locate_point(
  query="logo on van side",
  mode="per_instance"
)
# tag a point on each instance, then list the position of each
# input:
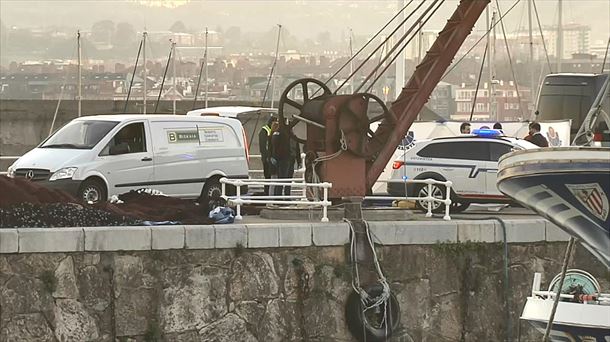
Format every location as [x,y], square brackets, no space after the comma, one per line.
[182,136]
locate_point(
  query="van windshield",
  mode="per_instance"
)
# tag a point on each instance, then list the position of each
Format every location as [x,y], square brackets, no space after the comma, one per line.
[80,134]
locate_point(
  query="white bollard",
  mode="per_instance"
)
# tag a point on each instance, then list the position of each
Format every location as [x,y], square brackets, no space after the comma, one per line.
[325,205]
[430,199]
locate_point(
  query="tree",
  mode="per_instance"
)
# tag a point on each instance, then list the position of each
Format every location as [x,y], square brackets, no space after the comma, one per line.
[124,36]
[178,27]
[102,31]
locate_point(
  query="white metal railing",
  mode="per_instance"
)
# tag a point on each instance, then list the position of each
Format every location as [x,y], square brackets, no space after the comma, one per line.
[240,199]
[430,199]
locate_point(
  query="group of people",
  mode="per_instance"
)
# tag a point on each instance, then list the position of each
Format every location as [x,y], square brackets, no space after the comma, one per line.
[534,136]
[279,153]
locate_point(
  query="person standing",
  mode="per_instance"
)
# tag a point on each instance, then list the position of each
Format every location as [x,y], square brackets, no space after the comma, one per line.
[264,145]
[535,137]
[281,146]
[288,153]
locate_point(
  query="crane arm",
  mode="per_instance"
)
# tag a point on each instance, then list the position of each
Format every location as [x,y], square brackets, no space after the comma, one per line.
[419,87]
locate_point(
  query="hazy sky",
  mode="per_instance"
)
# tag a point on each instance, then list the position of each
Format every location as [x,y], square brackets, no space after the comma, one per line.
[303,18]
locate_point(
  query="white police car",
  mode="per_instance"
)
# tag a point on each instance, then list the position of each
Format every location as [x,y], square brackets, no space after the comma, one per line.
[470,162]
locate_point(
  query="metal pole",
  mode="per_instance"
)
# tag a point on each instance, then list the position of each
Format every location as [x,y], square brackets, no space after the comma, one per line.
[351,63]
[533,87]
[79,74]
[489,66]
[144,91]
[205,60]
[559,35]
[494,105]
[277,49]
[175,92]
[564,268]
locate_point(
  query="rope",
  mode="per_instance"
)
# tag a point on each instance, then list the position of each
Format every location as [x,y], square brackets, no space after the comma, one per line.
[279,32]
[510,61]
[478,41]
[546,52]
[169,58]
[381,279]
[476,91]
[315,177]
[133,75]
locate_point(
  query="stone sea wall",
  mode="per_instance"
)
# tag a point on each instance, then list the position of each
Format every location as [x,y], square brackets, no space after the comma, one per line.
[447,292]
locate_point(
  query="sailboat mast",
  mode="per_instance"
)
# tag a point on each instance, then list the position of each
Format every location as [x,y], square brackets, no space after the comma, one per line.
[175,91]
[351,63]
[533,86]
[489,66]
[277,49]
[559,35]
[400,61]
[79,74]
[144,91]
[205,61]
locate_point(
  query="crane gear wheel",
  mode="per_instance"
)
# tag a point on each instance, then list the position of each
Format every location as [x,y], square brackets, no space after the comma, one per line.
[286,101]
[357,125]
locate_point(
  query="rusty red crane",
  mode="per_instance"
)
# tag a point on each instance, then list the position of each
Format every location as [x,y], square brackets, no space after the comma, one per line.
[338,128]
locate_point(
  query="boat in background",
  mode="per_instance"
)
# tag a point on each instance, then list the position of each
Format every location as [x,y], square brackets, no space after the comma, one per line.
[569,186]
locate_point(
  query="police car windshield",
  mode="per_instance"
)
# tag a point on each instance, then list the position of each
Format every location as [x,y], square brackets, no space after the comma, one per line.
[80,134]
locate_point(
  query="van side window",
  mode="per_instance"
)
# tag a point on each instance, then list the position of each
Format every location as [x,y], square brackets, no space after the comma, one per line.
[130,139]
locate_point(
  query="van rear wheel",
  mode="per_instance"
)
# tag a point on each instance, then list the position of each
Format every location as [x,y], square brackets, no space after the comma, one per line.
[92,191]
[211,194]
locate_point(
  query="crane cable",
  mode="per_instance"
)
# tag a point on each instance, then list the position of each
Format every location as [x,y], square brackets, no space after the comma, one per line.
[402,48]
[367,44]
[378,47]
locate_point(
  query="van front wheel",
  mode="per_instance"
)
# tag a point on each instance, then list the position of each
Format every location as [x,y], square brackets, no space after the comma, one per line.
[92,191]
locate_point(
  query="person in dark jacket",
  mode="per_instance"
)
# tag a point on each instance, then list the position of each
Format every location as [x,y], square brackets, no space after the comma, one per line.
[286,152]
[535,137]
[264,145]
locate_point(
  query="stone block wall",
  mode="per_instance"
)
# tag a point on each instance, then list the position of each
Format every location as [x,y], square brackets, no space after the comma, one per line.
[446,291]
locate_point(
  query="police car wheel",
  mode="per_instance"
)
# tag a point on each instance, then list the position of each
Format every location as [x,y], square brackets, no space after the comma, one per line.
[437,192]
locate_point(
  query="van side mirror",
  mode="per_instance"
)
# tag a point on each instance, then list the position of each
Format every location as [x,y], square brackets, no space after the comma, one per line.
[121,148]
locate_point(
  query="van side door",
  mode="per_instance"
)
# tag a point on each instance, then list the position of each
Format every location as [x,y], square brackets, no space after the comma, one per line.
[126,161]
[178,154]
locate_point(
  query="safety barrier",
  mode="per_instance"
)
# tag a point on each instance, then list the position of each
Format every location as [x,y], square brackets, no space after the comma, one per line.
[240,199]
[430,199]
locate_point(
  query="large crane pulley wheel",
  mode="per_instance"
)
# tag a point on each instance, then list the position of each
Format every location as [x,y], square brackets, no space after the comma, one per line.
[294,102]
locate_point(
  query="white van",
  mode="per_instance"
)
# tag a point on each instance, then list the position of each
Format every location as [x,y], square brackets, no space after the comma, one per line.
[95,157]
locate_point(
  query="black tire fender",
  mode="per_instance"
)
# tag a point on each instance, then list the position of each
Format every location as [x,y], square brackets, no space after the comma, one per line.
[358,324]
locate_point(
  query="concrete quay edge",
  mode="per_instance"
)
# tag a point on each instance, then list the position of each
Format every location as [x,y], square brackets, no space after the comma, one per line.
[269,235]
